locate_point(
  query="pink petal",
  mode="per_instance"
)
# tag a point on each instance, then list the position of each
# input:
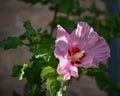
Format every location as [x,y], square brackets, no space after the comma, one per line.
[67,76]
[63,66]
[66,69]
[100,51]
[84,36]
[61,49]
[61,43]
[87,62]
[73,71]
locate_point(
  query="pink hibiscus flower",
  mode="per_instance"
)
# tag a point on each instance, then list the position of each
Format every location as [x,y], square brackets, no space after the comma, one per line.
[82,48]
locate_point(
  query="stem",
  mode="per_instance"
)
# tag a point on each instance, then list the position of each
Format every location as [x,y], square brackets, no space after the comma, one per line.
[54,21]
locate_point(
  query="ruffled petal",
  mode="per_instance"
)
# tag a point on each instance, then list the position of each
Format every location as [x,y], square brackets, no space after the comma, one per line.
[63,66]
[84,36]
[87,62]
[60,49]
[66,69]
[67,76]
[61,43]
[73,71]
[99,52]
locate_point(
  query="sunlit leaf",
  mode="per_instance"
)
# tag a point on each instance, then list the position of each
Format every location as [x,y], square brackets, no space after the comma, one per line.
[48,72]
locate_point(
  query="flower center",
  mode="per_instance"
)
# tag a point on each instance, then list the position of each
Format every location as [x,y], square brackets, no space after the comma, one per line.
[75,55]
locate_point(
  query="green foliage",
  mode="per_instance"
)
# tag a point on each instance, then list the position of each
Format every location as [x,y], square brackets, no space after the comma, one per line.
[16,70]
[66,6]
[43,48]
[10,42]
[48,72]
[62,6]
[25,66]
[41,68]
[102,80]
[54,82]
[29,30]
[66,23]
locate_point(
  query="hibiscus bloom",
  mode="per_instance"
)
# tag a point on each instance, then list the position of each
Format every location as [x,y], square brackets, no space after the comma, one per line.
[82,48]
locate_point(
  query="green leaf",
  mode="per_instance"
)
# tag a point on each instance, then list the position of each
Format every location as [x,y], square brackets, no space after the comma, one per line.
[10,42]
[23,71]
[52,83]
[65,22]
[29,30]
[53,86]
[36,91]
[105,83]
[53,62]
[48,72]
[16,70]
[56,86]
[103,67]
[44,49]
[32,73]
[66,6]
[43,53]
[102,80]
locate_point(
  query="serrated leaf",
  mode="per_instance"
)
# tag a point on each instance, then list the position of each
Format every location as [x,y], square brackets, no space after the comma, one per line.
[16,70]
[65,22]
[66,6]
[44,49]
[29,30]
[32,73]
[45,54]
[53,86]
[10,42]
[23,71]
[48,72]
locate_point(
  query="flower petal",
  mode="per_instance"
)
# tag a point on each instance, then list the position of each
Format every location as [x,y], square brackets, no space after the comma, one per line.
[73,71]
[84,36]
[63,66]
[60,49]
[100,51]
[87,62]
[64,69]
[67,76]
[62,42]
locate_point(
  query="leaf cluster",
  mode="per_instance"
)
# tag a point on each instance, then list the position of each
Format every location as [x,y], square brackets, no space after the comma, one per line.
[102,79]
[41,46]
[42,66]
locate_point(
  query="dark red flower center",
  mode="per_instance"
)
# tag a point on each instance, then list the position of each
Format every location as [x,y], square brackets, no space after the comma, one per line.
[75,55]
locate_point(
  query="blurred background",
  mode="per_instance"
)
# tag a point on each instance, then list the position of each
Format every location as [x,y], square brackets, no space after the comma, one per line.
[12,15]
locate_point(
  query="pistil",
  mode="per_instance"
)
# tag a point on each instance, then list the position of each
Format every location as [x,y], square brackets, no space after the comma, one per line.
[75,55]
